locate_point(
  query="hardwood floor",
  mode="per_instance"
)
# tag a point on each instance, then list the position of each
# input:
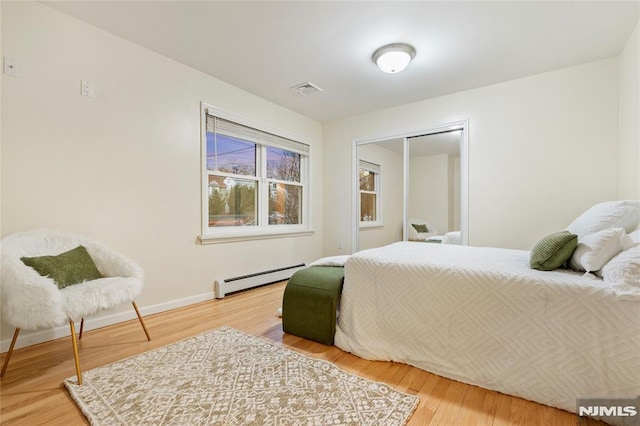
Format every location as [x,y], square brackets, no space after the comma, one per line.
[32,392]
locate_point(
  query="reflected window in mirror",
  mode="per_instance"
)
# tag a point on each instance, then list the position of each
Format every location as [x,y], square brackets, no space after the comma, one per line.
[370,197]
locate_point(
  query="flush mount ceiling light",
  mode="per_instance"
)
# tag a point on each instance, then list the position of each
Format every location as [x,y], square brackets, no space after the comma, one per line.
[394,57]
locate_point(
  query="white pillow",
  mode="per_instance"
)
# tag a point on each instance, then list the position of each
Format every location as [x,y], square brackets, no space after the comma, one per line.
[623,271]
[331,261]
[610,214]
[635,236]
[595,250]
[453,237]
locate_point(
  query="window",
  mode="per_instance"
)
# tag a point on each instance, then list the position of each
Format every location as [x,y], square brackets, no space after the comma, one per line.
[256,180]
[369,194]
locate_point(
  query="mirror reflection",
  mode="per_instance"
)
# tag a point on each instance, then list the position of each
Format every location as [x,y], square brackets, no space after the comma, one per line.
[380,193]
[411,188]
[434,188]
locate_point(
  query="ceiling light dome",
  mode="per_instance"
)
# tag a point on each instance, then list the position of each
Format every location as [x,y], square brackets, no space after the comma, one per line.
[394,57]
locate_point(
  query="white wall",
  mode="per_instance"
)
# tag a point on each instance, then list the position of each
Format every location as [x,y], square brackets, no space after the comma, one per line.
[124,167]
[429,190]
[629,173]
[542,149]
[390,163]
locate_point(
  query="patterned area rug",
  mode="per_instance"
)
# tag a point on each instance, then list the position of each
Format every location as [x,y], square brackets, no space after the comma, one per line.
[225,377]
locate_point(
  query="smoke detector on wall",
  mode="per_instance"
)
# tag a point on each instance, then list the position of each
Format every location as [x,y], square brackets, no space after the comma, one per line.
[305,89]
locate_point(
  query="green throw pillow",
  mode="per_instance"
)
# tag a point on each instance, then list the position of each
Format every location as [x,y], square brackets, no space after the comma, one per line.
[68,268]
[420,228]
[553,251]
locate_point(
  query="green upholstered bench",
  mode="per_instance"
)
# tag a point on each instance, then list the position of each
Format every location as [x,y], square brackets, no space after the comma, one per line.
[310,303]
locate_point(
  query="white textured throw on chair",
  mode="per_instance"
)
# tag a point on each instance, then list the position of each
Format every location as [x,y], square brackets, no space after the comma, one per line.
[46,306]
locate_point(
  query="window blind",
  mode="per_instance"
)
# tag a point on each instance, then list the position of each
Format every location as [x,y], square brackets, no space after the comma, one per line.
[229,128]
[375,168]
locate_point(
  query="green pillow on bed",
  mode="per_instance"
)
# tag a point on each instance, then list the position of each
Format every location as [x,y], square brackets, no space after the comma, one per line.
[553,251]
[420,228]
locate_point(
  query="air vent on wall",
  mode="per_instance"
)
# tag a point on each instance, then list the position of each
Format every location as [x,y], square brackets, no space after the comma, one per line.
[305,89]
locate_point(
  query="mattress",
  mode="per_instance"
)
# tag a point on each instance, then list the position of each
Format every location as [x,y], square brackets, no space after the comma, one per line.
[482,316]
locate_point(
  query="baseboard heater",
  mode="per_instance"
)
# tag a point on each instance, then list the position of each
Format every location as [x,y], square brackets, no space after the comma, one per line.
[231,285]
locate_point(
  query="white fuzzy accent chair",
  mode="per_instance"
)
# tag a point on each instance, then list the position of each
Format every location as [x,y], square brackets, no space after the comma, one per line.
[31,301]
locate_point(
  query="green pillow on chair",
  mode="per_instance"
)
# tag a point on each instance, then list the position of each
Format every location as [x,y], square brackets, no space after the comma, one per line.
[68,268]
[553,251]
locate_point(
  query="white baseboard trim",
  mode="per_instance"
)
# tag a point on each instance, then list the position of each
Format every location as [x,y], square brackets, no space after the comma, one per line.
[28,339]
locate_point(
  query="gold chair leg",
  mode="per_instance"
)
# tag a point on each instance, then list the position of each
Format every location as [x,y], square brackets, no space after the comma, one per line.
[6,360]
[81,327]
[75,351]
[144,327]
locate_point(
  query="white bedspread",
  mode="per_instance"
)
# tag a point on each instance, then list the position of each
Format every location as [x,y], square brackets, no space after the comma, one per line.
[482,316]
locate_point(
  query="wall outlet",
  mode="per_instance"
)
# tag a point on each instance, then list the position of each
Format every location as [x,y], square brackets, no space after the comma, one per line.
[340,244]
[10,66]
[86,88]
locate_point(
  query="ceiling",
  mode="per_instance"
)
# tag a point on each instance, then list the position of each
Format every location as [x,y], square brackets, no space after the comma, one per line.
[438,144]
[266,47]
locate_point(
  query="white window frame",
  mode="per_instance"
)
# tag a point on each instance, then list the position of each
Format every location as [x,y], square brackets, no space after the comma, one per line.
[377,182]
[262,230]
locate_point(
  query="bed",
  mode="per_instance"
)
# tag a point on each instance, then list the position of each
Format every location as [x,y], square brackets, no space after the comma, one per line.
[423,231]
[482,316]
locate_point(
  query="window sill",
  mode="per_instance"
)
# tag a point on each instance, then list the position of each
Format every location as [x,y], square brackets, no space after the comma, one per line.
[262,235]
[370,225]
